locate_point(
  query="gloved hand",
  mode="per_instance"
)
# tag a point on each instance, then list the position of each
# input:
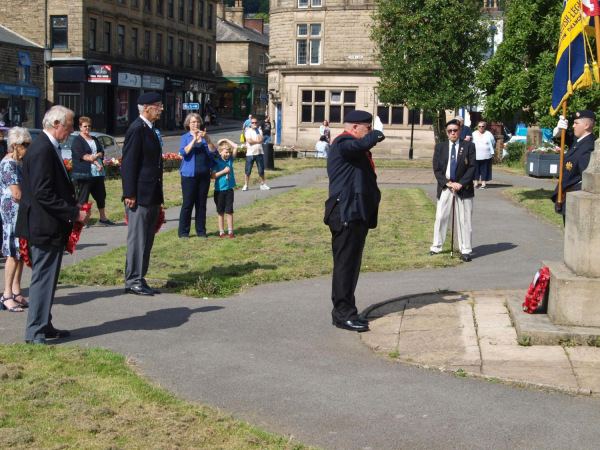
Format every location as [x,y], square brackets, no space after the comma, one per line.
[563,124]
[378,124]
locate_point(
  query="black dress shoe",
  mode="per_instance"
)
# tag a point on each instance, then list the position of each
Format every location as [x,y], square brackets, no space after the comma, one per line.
[363,320]
[466,258]
[139,290]
[40,341]
[431,253]
[56,333]
[352,325]
[145,285]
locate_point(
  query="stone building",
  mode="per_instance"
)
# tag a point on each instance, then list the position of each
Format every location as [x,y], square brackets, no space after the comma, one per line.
[106,53]
[22,71]
[242,47]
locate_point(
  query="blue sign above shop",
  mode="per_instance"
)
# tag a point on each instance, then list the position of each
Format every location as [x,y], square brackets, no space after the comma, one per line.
[9,89]
[190,106]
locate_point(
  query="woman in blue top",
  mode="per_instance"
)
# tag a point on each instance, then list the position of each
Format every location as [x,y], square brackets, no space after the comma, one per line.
[198,159]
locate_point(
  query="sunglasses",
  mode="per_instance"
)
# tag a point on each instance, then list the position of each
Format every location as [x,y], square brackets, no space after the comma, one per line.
[25,144]
[253,122]
[453,130]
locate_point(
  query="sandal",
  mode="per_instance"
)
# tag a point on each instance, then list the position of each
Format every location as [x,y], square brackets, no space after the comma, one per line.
[24,303]
[14,308]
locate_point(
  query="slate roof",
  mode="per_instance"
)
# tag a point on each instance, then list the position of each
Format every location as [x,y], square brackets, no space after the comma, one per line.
[10,37]
[232,32]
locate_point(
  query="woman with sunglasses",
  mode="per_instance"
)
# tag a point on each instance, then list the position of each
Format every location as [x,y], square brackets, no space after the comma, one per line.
[10,187]
[484,145]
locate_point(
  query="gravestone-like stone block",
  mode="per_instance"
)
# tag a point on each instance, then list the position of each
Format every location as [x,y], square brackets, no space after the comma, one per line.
[582,234]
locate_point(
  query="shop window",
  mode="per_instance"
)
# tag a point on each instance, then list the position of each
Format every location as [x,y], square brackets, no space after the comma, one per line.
[180,52]
[191,12]
[134,42]
[147,37]
[60,36]
[24,65]
[321,105]
[200,13]
[308,47]
[92,35]
[170,50]
[71,101]
[160,7]
[147,6]
[107,26]
[181,10]
[200,56]
[158,48]
[261,64]
[121,40]
[190,55]
[209,59]
[209,17]
[94,104]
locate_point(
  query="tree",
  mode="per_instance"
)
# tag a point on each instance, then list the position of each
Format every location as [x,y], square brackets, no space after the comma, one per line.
[261,15]
[429,51]
[517,80]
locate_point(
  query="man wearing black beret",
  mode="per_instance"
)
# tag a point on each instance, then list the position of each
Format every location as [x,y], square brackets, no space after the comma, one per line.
[454,168]
[351,211]
[141,174]
[581,145]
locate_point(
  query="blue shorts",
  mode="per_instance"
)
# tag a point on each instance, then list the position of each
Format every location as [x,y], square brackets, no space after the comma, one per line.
[259,164]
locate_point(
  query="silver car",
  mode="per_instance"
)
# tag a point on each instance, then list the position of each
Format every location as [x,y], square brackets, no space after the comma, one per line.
[109,144]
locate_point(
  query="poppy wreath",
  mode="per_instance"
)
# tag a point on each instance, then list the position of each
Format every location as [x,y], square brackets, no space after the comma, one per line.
[159,221]
[24,252]
[536,291]
[74,238]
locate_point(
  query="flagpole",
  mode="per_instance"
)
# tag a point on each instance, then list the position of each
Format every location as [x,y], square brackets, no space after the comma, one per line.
[559,200]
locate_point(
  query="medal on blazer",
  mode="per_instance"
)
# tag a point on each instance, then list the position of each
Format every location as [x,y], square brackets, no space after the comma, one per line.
[466,160]
[569,166]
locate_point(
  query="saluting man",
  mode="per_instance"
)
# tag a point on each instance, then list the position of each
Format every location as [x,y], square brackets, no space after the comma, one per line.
[577,158]
[141,174]
[351,211]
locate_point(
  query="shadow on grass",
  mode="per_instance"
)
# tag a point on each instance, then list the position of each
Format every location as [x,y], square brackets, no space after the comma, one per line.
[490,249]
[535,194]
[239,231]
[223,272]
[162,319]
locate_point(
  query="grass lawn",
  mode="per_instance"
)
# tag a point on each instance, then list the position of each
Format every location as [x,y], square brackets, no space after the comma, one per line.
[537,201]
[72,397]
[287,166]
[279,239]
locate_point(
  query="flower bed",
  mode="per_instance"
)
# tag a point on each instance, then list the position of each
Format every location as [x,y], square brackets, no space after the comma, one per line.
[112,166]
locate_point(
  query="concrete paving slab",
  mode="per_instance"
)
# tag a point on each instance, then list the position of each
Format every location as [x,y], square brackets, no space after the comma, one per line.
[430,322]
[436,308]
[497,336]
[496,307]
[584,357]
[492,320]
[533,356]
[380,342]
[544,374]
[456,357]
[387,309]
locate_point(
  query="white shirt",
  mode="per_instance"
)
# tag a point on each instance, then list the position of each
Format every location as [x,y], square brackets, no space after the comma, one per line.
[253,149]
[57,150]
[450,155]
[147,121]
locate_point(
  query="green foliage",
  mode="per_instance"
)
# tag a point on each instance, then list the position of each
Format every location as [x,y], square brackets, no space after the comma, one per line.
[429,51]
[262,15]
[515,153]
[518,79]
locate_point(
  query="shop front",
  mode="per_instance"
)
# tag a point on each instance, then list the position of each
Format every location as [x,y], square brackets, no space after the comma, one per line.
[130,86]
[20,106]
[174,105]
[240,96]
[202,92]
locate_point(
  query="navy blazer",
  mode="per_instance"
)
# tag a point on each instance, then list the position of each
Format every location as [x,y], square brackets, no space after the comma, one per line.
[82,169]
[465,167]
[48,208]
[142,164]
[575,161]
[352,178]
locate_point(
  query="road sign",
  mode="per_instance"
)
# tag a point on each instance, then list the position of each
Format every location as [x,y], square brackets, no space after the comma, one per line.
[264,97]
[188,106]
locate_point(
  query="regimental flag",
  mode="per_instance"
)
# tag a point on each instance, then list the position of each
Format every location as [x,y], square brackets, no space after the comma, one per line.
[572,70]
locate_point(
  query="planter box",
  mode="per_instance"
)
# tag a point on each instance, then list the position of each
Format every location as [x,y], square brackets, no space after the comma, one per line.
[542,165]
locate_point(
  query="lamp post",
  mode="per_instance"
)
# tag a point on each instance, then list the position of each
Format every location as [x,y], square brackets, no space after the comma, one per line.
[412,132]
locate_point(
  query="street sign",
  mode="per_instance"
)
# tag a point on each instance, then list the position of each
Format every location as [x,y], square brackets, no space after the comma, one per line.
[188,106]
[264,97]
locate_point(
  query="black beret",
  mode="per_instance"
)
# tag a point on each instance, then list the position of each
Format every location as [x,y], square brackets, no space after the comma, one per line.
[584,114]
[452,122]
[148,98]
[358,117]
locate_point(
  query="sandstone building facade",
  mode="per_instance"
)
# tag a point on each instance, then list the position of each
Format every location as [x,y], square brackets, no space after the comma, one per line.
[105,53]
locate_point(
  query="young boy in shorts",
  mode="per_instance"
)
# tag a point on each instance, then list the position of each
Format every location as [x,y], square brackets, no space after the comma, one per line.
[224,184]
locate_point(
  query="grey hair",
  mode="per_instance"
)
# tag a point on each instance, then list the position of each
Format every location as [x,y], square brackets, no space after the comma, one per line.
[459,118]
[188,119]
[17,135]
[59,113]
[140,109]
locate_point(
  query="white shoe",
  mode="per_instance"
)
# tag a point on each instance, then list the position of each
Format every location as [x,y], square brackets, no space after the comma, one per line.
[264,187]
[245,188]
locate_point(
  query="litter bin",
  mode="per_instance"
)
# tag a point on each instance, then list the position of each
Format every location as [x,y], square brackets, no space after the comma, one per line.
[269,157]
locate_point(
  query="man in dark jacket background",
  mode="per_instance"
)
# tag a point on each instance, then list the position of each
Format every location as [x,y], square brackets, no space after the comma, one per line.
[47,212]
[141,174]
[351,211]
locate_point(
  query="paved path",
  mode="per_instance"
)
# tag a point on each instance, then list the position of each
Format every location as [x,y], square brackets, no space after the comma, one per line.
[271,356]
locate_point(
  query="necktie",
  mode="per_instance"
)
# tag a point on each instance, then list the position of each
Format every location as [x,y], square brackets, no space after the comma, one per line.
[453,163]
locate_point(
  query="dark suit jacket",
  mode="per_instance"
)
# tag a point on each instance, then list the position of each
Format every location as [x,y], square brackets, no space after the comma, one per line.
[83,169]
[141,164]
[575,162]
[465,167]
[48,208]
[352,178]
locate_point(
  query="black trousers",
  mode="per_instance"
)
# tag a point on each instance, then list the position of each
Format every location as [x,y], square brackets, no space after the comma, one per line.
[195,193]
[94,186]
[347,243]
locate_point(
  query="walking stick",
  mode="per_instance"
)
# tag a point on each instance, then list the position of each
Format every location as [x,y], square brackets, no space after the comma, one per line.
[452,239]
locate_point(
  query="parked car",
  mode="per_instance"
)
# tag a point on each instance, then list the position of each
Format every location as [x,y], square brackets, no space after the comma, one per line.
[110,147]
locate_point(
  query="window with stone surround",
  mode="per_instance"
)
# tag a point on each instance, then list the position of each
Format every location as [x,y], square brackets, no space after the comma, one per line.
[92,34]
[181,10]
[171,9]
[107,32]
[209,59]
[191,12]
[308,44]
[59,32]
[24,65]
[158,48]
[160,7]
[134,42]
[201,14]
[311,3]
[147,37]
[190,55]
[261,64]
[200,47]
[180,53]
[121,40]
[326,104]
[209,17]
[147,6]
[170,50]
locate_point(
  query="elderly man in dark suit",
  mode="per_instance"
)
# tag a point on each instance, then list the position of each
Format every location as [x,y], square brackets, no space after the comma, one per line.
[454,168]
[47,212]
[581,145]
[351,211]
[141,173]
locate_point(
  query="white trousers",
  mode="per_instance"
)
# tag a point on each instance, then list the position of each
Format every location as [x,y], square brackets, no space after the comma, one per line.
[463,213]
